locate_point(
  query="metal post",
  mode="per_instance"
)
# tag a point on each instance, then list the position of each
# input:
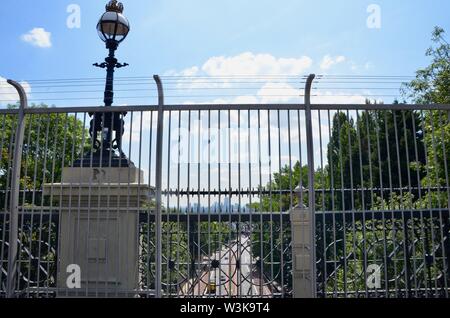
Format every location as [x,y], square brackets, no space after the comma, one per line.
[158,185]
[15,188]
[300,217]
[311,194]
[111,62]
[105,121]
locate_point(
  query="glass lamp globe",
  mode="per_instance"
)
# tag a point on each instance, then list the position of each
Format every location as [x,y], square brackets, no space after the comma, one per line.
[113,26]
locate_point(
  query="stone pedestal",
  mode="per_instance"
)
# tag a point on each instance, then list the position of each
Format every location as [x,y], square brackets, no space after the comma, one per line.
[98,229]
[301,252]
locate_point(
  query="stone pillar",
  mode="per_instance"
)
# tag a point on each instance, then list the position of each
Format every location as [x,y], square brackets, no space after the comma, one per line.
[301,251]
[98,229]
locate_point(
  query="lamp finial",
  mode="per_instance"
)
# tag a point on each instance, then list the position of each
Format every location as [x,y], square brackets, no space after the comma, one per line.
[114,6]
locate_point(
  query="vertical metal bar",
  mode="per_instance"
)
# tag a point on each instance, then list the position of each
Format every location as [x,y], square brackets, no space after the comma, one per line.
[149,211]
[221,245]
[411,205]
[250,228]
[332,187]
[261,224]
[41,209]
[158,180]
[280,208]
[230,274]
[344,225]
[127,211]
[52,180]
[445,239]
[118,203]
[168,223]
[406,264]
[15,191]
[269,138]
[280,203]
[8,165]
[199,243]
[352,208]
[363,203]
[383,219]
[371,183]
[311,194]
[97,214]
[324,231]
[209,203]
[445,149]
[8,183]
[238,229]
[58,229]
[423,232]
[178,204]
[137,224]
[391,205]
[21,244]
[88,211]
[431,253]
[91,277]
[84,143]
[191,251]
[440,207]
[3,224]
[108,264]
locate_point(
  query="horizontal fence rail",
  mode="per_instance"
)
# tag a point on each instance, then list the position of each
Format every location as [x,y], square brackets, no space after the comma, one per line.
[227,201]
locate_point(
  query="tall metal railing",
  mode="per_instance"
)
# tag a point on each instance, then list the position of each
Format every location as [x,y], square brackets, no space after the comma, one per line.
[224,180]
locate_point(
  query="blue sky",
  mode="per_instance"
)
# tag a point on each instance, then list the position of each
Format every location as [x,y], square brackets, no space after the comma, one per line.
[174,35]
[204,38]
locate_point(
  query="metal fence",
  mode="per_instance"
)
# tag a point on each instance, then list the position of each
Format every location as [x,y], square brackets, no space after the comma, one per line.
[206,210]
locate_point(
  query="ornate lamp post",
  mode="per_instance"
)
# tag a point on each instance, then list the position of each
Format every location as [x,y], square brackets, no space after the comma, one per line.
[102,181]
[113,28]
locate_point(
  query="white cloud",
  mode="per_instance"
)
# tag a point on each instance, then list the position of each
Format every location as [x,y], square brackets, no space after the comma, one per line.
[245,64]
[38,37]
[336,97]
[245,99]
[274,93]
[365,67]
[8,94]
[328,61]
[191,71]
[278,93]
[270,86]
[251,64]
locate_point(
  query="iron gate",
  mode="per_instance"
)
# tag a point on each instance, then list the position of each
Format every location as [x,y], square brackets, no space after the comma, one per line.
[210,204]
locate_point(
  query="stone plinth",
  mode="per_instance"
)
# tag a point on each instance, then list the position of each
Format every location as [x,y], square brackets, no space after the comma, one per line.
[98,229]
[301,252]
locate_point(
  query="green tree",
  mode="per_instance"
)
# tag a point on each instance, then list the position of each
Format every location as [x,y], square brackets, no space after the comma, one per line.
[432,86]
[51,142]
[370,151]
[281,189]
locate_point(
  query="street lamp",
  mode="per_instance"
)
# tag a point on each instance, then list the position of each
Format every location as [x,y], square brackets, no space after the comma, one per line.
[113,28]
